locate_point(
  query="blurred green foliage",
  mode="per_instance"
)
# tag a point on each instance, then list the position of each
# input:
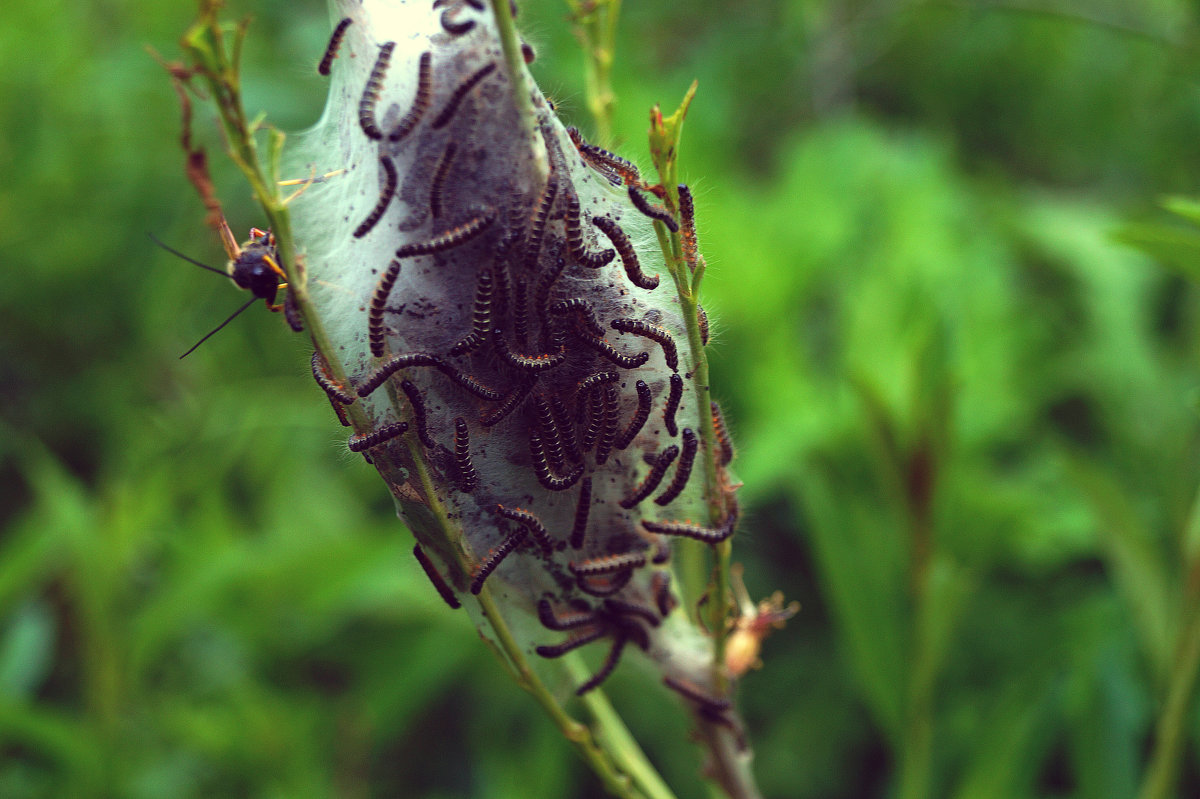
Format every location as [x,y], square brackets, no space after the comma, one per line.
[965,413]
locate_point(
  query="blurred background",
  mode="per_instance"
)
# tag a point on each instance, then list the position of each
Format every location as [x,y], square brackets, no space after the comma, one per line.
[965,411]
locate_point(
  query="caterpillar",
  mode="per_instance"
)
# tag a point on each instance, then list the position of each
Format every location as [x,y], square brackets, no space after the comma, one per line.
[654,212]
[652,479]
[447,113]
[420,100]
[531,523]
[682,471]
[480,316]
[582,510]
[364,441]
[320,373]
[418,408]
[625,249]
[331,50]
[435,577]
[639,417]
[494,558]
[640,327]
[370,95]
[385,198]
[607,564]
[467,478]
[673,405]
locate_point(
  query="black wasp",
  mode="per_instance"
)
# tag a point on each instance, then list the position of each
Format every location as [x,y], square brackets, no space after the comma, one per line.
[253,265]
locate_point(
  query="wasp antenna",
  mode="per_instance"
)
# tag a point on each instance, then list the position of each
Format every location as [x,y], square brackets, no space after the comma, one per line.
[175,252]
[232,316]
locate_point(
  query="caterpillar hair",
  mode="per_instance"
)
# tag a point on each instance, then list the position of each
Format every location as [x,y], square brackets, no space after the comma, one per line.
[628,255]
[652,479]
[385,198]
[481,316]
[582,509]
[467,478]
[451,238]
[331,50]
[376,334]
[418,408]
[604,585]
[639,417]
[653,211]
[494,557]
[364,441]
[435,577]
[641,327]
[687,215]
[607,564]
[370,95]
[511,401]
[420,101]
[436,186]
[532,523]
[575,246]
[464,88]
[320,371]
[673,405]
[682,471]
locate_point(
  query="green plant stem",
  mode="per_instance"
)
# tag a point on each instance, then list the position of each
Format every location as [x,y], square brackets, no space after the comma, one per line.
[1171,731]
[616,738]
[514,61]
[596,28]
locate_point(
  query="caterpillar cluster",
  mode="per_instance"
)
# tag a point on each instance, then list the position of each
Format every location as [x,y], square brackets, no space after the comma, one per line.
[541,352]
